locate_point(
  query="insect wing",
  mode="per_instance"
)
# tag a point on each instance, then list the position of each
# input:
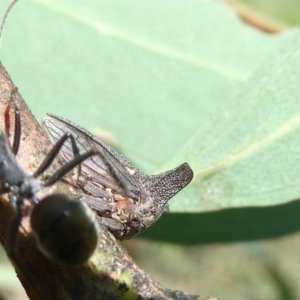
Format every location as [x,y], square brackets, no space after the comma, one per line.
[108,170]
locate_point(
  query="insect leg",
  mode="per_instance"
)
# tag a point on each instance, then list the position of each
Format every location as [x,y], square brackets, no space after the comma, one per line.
[100,205]
[76,161]
[11,244]
[54,151]
[13,232]
[69,166]
[17,129]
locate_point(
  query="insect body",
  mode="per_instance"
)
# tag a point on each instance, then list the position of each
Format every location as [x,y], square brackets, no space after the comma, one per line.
[126,199]
[60,209]
[65,230]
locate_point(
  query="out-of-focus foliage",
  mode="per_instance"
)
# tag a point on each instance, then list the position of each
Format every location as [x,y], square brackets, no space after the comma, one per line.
[10,286]
[284,12]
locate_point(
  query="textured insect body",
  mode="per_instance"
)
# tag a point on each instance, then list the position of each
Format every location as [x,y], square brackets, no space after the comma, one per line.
[127,200]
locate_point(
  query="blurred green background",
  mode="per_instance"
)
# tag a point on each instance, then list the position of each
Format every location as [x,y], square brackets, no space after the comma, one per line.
[174,81]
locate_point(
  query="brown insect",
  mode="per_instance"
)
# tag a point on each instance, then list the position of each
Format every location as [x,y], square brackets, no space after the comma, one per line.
[126,200]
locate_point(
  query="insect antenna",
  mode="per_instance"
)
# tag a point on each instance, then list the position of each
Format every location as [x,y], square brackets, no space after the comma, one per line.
[5,17]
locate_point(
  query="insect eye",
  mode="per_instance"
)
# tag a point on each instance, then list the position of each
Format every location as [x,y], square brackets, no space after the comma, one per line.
[66,230]
[135,220]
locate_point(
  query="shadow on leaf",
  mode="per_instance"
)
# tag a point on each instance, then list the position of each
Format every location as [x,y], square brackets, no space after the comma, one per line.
[228,225]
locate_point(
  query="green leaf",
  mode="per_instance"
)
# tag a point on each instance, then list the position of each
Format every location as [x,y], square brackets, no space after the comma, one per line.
[150,72]
[250,156]
[279,11]
[162,76]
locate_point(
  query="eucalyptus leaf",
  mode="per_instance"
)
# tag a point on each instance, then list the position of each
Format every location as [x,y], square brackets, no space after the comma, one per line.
[251,155]
[159,76]
[149,72]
